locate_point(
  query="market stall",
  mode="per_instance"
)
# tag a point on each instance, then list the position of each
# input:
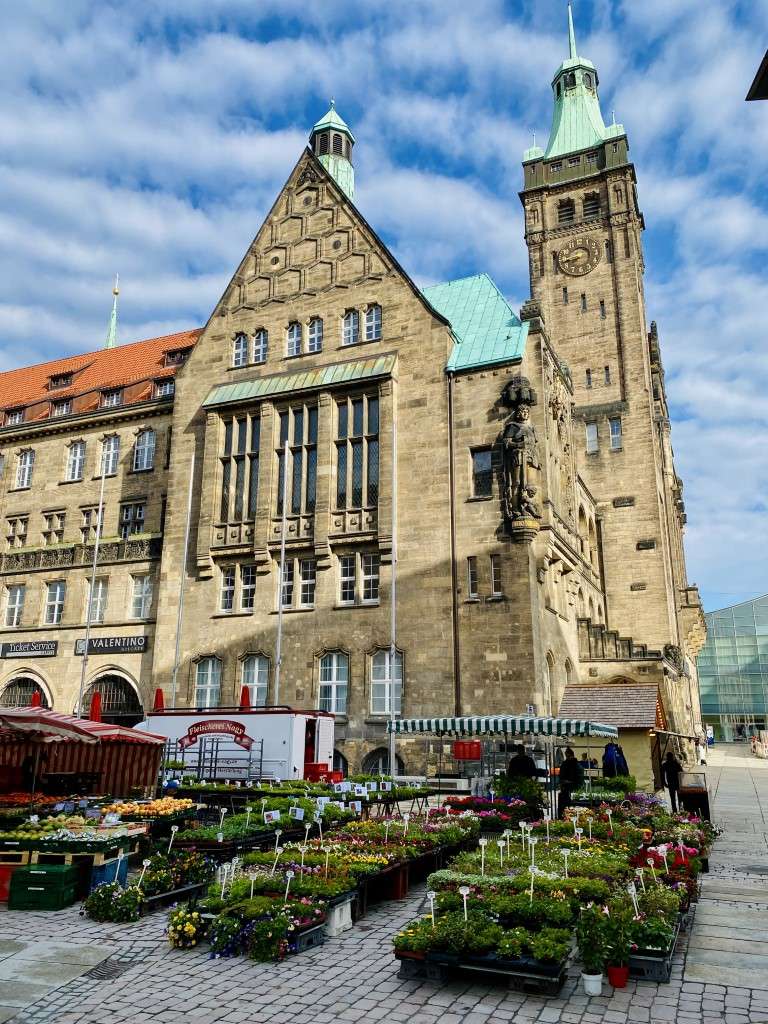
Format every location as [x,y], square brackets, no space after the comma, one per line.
[547,733]
[72,755]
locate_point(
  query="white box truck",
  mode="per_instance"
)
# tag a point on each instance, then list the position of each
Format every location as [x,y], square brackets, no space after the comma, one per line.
[236,743]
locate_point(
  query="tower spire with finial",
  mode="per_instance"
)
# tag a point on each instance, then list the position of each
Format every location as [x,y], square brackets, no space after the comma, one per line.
[571,36]
[112,332]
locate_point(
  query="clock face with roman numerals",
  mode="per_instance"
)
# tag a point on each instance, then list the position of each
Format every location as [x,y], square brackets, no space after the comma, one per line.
[579,256]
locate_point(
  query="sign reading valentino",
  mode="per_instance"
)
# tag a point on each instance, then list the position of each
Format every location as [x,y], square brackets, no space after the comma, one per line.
[30,649]
[113,645]
[217,727]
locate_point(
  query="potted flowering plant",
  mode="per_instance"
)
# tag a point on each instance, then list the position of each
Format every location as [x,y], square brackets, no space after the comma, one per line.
[591,940]
[618,932]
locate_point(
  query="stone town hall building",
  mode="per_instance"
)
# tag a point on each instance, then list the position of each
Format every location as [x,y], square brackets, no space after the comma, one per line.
[539,517]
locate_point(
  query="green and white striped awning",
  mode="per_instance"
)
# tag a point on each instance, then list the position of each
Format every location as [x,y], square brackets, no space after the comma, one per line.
[502,725]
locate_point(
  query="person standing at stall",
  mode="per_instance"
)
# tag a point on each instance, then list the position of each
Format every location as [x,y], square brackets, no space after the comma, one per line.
[571,778]
[522,765]
[670,772]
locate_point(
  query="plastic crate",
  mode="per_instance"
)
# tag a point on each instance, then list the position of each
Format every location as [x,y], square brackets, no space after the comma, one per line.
[41,899]
[109,872]
[6,873]
[310,937]
[47,877]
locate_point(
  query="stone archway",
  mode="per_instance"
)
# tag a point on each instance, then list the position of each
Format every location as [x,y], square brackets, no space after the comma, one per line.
[120,703]
[376,762]
[18,692]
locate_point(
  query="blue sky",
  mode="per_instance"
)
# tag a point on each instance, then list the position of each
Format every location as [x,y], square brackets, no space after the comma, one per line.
[151,138]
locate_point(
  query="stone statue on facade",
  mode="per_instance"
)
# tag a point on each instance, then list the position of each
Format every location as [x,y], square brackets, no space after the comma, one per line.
[519,453]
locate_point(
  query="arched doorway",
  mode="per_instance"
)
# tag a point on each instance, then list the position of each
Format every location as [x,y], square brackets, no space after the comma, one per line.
[18,693]
[377,762]
[340,763]
[120,704]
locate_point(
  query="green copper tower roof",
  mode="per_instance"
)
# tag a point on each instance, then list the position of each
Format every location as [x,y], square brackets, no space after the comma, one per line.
[332,143]
[577,121]
[484,324]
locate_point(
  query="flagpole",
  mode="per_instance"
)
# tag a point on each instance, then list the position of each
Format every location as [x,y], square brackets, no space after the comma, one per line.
[393,600]
[89,612]
[279,651]
[182,580]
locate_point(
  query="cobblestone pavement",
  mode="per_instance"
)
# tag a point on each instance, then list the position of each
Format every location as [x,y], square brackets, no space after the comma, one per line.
[354,977]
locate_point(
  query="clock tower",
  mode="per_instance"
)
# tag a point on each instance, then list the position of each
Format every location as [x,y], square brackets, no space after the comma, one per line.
[583,228]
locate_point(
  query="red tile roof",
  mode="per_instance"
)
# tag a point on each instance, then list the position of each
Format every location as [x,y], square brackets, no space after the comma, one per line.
[625,705]
[139,363]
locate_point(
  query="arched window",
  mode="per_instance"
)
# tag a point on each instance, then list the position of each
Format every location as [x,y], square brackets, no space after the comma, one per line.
[592,610]
[599,613]
[294,339]
[351,330]
[377,763]
[315,335]
[591,205]
[549,676]
[588,80]
[570,80]
[20,691]
[373,323]
[580,603]
[337,145]
[566,211]
[334,682]
[381,683]
[255,676]
[618,193]
[240,351]
[260,346]
[208,683]
[582,530]
[323,145]
[76,461]
[120,704]
[592,543]
[144,451]
[340,763]
[110,455]
[24,468]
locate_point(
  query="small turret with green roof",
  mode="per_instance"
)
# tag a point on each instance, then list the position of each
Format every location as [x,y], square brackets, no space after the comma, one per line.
[332,141]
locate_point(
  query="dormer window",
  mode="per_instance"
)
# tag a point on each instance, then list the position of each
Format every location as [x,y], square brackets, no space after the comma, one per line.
[176,357]
[62,407]
[13,417]
[556,166]
[112,399]
[60,380]
[165,388]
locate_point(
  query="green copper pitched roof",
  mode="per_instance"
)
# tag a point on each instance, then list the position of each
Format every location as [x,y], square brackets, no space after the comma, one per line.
[486,329]
[577,121]
[303,380]
[332,120]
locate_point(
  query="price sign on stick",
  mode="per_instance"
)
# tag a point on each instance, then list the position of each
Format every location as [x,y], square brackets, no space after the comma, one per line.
[297,813]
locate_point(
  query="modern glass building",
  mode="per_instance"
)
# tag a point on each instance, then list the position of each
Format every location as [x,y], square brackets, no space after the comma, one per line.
[733,669]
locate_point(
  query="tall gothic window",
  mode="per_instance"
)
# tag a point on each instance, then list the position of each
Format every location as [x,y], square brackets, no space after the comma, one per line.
[75,461]
[294,339]
[298,426]
[357,452]
[350,334]
[110,455]
[24,469]
[315,338]
[334,682]
[144,451]
[260,346]
[240,350]
[240,469]
[373,323]
[208,683]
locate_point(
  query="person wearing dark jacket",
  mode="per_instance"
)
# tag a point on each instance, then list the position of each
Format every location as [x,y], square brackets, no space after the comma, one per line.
[671,771]
[521,765]
[571,777]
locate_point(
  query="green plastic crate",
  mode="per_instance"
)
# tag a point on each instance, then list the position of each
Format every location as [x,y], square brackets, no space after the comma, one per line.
[40,899]
[47,878]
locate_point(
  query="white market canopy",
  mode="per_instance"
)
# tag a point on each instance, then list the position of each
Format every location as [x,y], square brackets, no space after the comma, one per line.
[502,725]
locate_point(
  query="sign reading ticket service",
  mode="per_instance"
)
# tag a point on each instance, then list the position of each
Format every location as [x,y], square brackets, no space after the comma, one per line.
[30,649]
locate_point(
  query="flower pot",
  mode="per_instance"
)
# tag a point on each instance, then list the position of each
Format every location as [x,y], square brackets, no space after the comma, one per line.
[618,976]
[592,983]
